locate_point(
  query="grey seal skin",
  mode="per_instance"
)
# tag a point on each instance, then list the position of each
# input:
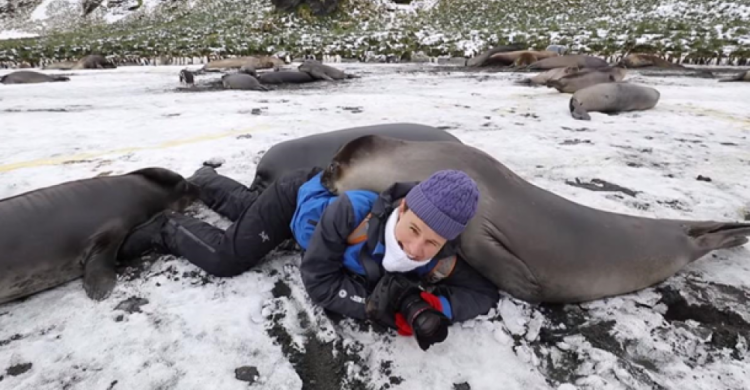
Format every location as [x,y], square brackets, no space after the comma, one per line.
[576,60]
[532,243]
[285,77]
[56,234]
[319,71]
[612,98]
[742,76]
[547,76]
[187,77]
[318,149]
[242,81]
[30,77]
[586,78]
[94,61]
[61,65]
[481,60]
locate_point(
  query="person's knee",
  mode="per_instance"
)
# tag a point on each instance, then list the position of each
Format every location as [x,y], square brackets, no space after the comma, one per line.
[229,265]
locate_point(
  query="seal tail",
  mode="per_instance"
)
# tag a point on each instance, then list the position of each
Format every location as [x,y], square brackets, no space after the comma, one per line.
[718,235]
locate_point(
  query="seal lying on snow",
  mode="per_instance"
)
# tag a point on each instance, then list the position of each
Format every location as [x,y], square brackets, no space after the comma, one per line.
[586,78]
[30,77]
[317,70]
[285,77]
[318,149]
[576,60]
[545,77]
[53,235]
[536,245]
[612,98]
[742,76]
[242,81]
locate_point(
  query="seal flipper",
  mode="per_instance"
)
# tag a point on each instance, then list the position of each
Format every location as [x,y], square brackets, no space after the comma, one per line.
[318,74]
[99,261]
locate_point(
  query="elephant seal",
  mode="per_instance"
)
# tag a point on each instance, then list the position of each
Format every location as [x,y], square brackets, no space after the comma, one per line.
[639,60]
[526,59]
[510,58]
[742,76]
[550,75]
[248,69]
[30,77]
[318,71]
[56,234]
[257,62]
[576,60]
[61,65]
[242,81]
[481,59]
[559,49]
[532,243]
[94,61]
[318,149]
[612,98]
[285,77]
[586,78]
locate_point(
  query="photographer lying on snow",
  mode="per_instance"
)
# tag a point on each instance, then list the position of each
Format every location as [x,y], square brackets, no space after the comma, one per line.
[366,254]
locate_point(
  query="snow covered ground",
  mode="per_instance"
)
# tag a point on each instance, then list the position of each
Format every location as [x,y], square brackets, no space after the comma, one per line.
[182,329]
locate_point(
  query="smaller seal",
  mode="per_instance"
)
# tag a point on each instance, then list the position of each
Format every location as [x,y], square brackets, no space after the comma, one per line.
[242,81]
[742,76]
[612,98]
[586,78]
[30,77]
[317,70]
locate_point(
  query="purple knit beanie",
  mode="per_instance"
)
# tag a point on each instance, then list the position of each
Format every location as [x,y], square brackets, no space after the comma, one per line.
[446,201]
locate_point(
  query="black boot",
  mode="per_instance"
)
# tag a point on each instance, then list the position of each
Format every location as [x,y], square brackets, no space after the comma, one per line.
[144,238]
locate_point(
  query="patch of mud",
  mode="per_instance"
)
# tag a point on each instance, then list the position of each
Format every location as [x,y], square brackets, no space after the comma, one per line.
[578,130]
[353,110]
[247,374]
[576,141]
[728,329]
[132,305]
[73,108]
[319,364]
[18,369]
[11,339]
[602,185]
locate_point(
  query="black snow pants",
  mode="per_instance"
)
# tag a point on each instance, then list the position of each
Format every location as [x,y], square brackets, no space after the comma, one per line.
[260,222]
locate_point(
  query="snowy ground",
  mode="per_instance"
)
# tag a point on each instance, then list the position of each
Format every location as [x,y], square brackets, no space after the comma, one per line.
[192,331]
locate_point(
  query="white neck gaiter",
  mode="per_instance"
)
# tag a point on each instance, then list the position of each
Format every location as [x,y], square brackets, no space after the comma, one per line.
[395,259]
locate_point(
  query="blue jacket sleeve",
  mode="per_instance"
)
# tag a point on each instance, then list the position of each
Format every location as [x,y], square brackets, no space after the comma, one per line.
[326,280]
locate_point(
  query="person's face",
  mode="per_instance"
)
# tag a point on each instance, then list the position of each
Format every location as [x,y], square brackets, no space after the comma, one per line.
[417,239]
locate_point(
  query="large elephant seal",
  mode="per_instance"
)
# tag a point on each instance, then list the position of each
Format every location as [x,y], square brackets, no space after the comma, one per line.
[319,71]
[481,60]
[242,81]
[532,243]
[285,77]
[547,76]
[575,60]
[94,61]
[586,78]
[257,62]
[640,60]
[30,77]
[56,234]
[318,149]
[612,98]
[518,57]
[60,65]
[742,76]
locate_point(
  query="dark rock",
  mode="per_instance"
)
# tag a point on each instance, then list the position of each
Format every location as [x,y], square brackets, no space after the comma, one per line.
[11,339]
[18,369]
[119,318]
[112,385]
[395,380]
[461,386]
[281,289]
[247,374]
[703,178]
[286,5]
[255,111]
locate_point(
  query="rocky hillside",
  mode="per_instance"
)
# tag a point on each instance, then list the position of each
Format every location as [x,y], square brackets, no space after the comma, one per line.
[693,31]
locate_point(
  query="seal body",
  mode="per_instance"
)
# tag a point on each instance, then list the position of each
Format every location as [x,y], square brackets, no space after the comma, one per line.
[587,77]
[612,98]
[319,149]
[532,243]
[742,76]
[56,234]
[319,71]
[30,77]
[242,81]
[518,57]
[547,76]
[94,61]
[638,60]
[256,62]
[576,60]
[285,77]
[481,60]
[61,65]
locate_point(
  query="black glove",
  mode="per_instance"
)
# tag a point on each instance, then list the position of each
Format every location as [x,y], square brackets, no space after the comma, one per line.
[386,299]
[430,325]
